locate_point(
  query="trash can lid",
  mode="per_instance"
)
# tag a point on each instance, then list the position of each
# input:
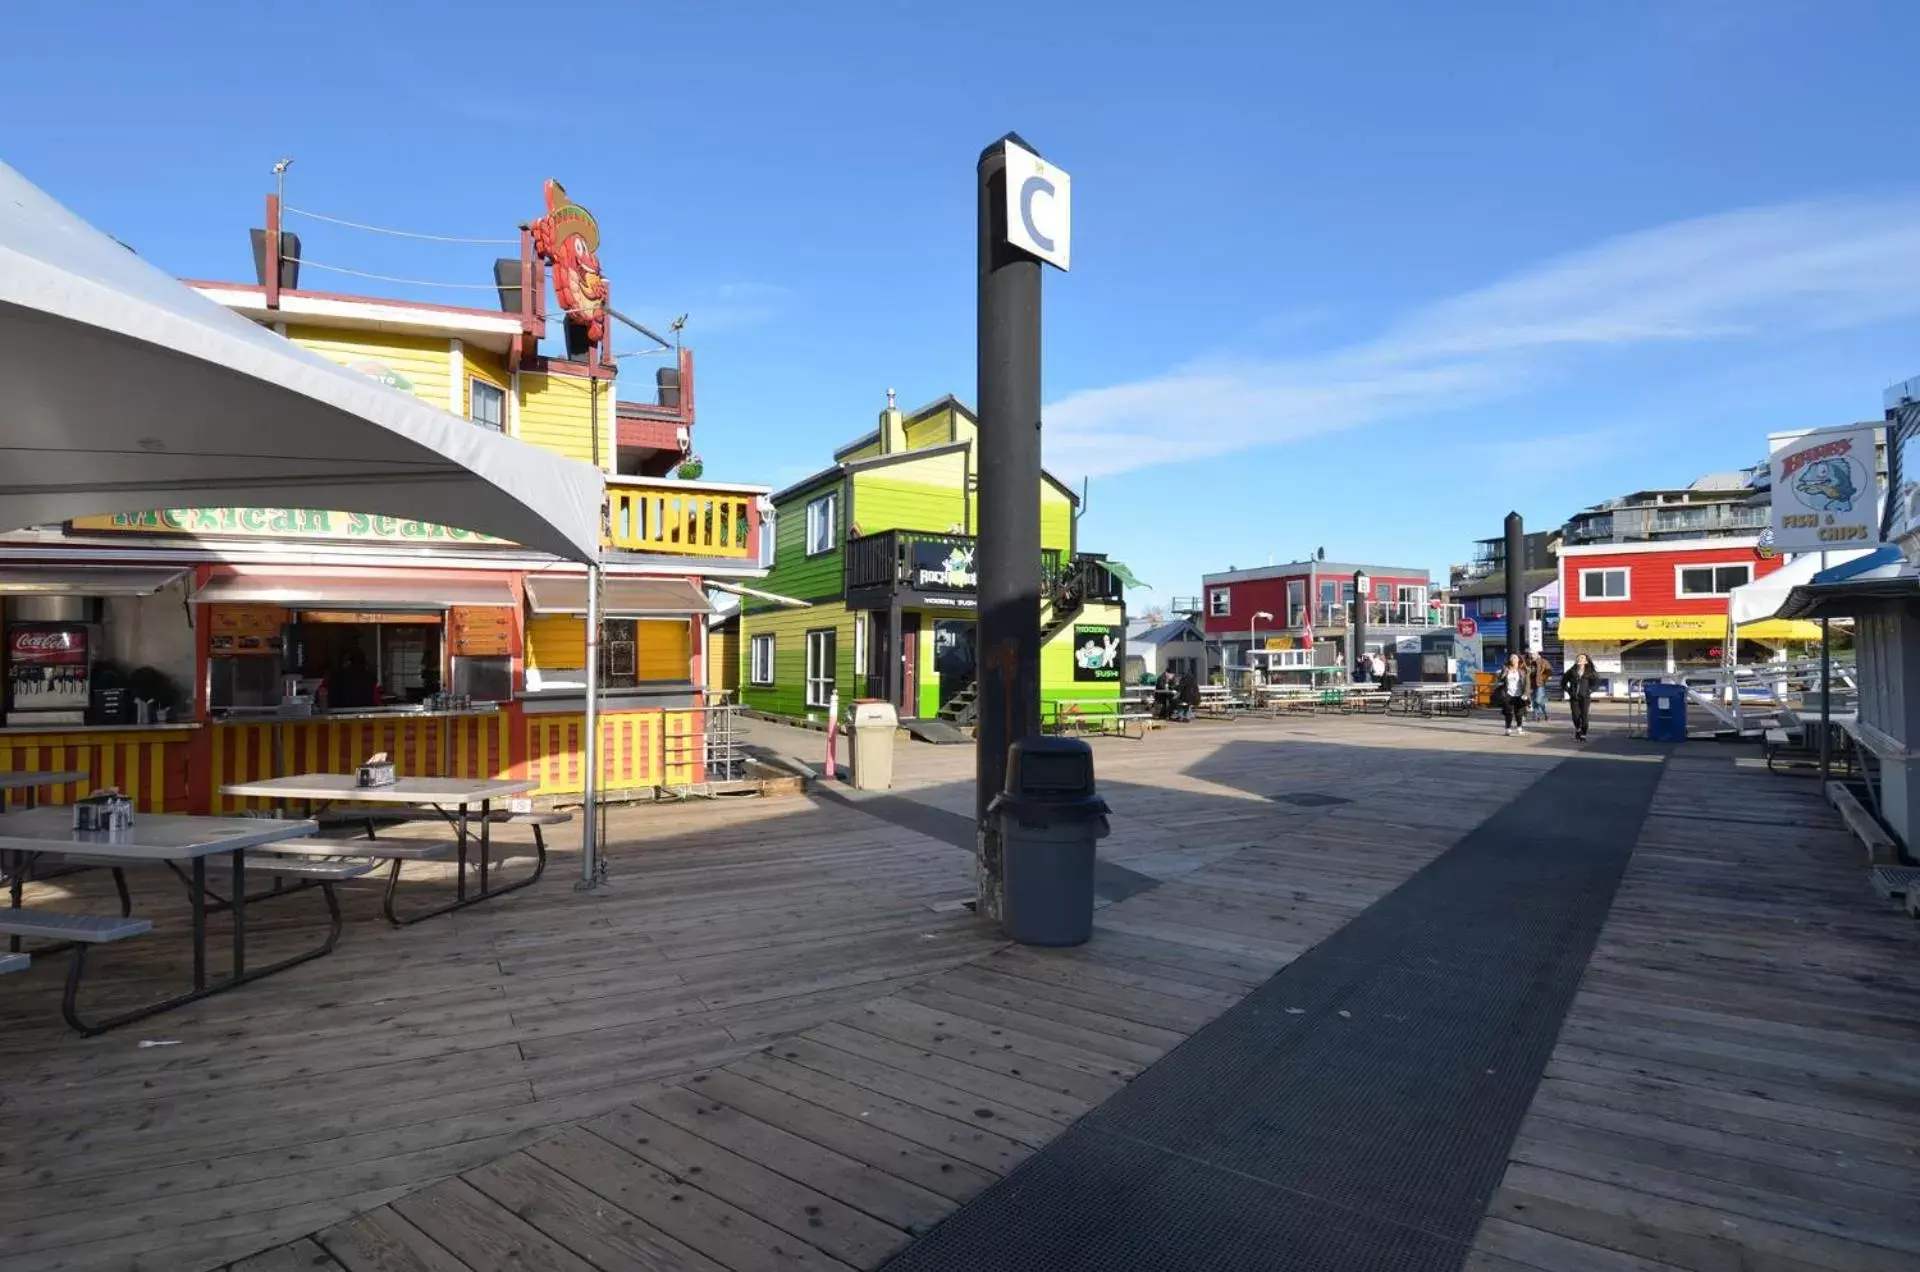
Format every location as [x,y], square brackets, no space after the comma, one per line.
[1024,807]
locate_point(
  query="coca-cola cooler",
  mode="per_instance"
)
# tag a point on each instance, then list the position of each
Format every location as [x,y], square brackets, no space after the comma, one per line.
[49,664]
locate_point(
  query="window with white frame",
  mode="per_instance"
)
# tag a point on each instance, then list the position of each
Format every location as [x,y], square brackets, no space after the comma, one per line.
[1492,607]
[1604,585]
[760,660]
[1710,580]
[823,522]
[821,644]
[1296,602]
[1220,602]
[488,406]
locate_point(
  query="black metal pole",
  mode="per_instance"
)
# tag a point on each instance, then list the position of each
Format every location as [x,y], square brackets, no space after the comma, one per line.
[1008,554]
[1359,626]
[1516,585]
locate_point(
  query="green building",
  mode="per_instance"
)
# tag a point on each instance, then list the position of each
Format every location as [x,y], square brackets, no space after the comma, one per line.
[881,543]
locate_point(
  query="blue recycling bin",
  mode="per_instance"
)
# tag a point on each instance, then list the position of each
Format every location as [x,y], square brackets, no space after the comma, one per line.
[1666,713]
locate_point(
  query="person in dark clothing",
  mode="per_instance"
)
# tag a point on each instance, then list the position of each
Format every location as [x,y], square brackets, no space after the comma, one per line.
[1189,696]
[1578,684]
[1512,692]
[351,685]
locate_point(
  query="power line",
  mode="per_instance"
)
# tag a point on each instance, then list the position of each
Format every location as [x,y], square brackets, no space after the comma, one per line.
[389,278]
[381,229]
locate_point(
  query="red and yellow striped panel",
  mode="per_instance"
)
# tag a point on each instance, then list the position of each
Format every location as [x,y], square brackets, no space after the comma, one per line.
[462,746]
[149,767]
[634,751]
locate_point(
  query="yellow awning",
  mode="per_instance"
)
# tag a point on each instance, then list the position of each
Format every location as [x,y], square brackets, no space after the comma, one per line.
[1683,627]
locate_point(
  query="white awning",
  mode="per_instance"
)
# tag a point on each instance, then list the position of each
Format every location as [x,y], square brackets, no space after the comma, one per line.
[67,580]
[126,391]
[619,598]
[1763,597]
[352,593]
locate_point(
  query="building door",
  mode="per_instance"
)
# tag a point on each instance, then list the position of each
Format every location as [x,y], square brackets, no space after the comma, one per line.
[953,655]
[908,703]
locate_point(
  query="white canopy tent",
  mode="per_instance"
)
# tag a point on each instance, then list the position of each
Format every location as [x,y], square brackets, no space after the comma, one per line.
[122,390]
[125,390]
[1761,599]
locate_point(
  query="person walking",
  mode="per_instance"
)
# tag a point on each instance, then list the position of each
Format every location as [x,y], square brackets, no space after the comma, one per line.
[1513,691]
[1542,677]
[1386,672]
[1578,685]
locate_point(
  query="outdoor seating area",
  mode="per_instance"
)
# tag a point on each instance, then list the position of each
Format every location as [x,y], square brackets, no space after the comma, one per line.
[228,864]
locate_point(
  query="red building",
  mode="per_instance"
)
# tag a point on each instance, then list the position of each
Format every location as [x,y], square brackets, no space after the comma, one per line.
[1279,603]
[1640,610]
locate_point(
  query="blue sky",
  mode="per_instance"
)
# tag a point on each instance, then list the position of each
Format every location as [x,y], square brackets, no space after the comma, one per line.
[1361,276]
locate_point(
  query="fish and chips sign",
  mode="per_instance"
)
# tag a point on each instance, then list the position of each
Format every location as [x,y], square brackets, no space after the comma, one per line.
[279,523]
[1826,490]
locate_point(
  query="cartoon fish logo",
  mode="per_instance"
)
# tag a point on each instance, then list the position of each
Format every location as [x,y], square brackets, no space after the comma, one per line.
[1827,485]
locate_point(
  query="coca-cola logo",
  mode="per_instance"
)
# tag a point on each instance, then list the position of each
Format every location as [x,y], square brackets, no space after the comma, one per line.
[29,642]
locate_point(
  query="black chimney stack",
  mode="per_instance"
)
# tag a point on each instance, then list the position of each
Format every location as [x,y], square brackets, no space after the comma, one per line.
[1516,585]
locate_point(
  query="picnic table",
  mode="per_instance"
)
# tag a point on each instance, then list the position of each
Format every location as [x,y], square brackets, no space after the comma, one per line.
[1081,715]
[1427,698]
[14,864]
[161,839]
[32,782]
[451,799]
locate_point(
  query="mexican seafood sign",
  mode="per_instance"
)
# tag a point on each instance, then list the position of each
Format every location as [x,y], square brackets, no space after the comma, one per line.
[1826,489]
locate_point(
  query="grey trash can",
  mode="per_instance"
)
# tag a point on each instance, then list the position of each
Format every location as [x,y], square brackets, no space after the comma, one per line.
[1049,818]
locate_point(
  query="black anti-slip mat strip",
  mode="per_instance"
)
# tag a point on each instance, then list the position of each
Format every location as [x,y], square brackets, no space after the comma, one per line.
[1354,1113]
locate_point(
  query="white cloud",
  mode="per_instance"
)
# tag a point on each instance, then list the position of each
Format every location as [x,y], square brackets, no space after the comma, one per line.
[1760,273]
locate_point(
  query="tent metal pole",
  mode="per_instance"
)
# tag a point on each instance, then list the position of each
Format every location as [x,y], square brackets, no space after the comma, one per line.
[589,822]
[1826,702]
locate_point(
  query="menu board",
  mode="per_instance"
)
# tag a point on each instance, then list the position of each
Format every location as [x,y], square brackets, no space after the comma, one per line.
[480,631]
[244,630]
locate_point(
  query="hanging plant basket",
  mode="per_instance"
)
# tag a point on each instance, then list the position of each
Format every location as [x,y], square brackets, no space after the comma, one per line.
[690,469]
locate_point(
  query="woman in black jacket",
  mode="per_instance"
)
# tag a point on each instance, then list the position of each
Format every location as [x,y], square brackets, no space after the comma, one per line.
[1578,685]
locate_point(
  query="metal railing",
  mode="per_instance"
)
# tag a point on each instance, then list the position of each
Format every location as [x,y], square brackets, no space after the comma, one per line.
[1390,614]
[682,518]
[886,559]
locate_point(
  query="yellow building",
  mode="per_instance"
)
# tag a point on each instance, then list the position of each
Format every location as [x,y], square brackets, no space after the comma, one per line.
[252,626]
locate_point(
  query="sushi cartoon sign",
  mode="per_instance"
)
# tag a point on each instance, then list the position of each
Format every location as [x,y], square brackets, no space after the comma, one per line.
[1096,652]
[1826,492]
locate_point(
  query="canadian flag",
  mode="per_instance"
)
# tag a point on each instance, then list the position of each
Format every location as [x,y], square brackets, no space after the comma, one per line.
[1306,636]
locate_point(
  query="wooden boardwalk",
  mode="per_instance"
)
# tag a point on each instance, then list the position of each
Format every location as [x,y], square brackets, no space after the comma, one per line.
[407,1056]
[760,1048]
[831,1149]
[1738,1083]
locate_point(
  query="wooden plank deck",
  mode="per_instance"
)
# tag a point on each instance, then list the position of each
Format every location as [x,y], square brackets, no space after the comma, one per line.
[408,1056]
[1738,1082]
[761,1050]
[834,1147]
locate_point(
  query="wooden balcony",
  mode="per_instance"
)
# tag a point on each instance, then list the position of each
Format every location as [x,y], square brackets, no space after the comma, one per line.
[684,518]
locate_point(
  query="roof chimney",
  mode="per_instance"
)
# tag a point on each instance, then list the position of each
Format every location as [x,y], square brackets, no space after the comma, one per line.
[893,433]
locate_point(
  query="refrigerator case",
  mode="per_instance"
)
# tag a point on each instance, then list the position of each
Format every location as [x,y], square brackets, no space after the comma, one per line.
[48,673]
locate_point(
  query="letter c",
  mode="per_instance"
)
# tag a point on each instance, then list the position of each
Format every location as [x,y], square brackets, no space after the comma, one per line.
[1029,189]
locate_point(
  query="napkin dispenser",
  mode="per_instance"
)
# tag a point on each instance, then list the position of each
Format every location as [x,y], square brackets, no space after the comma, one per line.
[377,771]
[104,811]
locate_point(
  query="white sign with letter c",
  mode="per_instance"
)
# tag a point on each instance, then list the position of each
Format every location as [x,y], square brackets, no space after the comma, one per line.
[1039,207]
